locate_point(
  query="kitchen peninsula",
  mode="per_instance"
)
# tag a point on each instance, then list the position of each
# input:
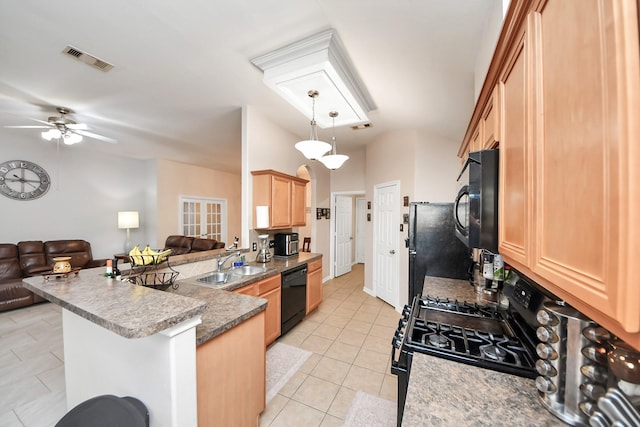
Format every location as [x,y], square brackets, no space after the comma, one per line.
[162,347]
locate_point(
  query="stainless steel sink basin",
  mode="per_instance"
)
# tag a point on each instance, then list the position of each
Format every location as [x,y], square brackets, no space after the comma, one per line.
[248,270]
[220,278]
[216,278]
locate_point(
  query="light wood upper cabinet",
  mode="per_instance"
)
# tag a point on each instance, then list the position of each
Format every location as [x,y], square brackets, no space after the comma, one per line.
[490,121]
[298,203]
[586,100]
[514,190]
[285,195]
[568,73]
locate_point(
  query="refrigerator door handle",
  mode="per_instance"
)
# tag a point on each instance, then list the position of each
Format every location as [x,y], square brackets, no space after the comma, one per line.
[412,252]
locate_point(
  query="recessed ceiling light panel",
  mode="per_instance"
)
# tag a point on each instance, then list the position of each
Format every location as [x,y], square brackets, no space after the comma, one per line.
[318,62]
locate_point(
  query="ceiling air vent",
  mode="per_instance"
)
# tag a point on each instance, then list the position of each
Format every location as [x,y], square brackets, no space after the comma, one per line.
[362,126]
[87,59]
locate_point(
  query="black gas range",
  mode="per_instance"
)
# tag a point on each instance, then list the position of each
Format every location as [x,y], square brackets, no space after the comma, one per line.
[486,336]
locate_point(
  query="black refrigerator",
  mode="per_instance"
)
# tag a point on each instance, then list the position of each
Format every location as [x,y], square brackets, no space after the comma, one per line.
[434,249]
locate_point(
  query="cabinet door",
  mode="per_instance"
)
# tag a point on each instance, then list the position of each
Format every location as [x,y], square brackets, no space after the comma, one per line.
[247,290]
[490,121]
[298,203]
[514,190]
[587,54]
[272,315]
[476,138]
[314,289]
[280,202]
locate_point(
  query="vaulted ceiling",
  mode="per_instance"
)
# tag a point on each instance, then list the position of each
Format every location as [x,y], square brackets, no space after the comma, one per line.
[182,70]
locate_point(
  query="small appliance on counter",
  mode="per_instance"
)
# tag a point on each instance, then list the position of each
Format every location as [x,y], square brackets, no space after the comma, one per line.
[285,244]
[263,249]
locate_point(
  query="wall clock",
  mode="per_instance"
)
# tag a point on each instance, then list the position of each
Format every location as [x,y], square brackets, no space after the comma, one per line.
[23,180]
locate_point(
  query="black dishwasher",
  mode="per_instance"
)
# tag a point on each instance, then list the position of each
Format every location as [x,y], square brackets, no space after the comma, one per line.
[294,297]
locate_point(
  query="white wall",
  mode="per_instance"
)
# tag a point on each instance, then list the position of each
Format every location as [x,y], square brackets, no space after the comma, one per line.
[87,191]
[177,179]
[436,169]
[351,176]
[267,146]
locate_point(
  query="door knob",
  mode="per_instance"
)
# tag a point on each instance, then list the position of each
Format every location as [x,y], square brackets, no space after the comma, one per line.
[392,252]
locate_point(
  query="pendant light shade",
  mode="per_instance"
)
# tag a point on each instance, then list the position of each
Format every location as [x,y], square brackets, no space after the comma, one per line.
[313,148]
[334,161]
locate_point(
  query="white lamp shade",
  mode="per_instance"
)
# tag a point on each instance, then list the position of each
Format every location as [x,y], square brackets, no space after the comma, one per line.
[128,219]
[313,149]
[262,216]
[334,161]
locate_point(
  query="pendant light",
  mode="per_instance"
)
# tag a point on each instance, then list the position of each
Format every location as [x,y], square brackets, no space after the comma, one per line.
[313,148]
[333,161]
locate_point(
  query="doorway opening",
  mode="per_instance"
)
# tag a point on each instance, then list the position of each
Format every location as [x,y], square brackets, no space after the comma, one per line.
[347,232]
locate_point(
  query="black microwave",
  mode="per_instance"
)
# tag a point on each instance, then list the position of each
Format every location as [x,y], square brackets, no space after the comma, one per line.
[476,207]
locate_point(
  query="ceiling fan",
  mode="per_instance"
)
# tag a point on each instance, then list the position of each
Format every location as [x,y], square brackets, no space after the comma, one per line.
[65,129]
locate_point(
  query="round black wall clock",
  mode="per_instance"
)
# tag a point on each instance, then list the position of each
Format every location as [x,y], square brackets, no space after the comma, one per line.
[23,180]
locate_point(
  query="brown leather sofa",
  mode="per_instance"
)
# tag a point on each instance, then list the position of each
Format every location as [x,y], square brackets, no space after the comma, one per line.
[185,245]
[30,258]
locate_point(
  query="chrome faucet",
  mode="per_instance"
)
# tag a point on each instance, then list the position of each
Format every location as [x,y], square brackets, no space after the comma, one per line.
[235,244]
[222,260]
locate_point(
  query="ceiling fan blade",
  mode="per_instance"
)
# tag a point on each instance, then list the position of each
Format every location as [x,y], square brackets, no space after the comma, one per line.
[28,127]
[95,136]
[42,121]
[77,126]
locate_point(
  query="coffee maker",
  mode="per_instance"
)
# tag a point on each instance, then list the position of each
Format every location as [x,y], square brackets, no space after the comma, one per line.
[264,255]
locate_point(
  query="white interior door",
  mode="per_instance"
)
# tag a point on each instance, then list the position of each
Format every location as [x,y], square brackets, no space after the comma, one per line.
[361,206]
[344,234]
[206,218]
[386,213]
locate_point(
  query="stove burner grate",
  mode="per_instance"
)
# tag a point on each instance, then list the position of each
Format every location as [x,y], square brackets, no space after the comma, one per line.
[493,352]
[438,340]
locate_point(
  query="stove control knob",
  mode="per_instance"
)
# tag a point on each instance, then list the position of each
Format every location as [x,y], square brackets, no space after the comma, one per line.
[545,351]
[547,318]
[402,323]
[545,385]
[405,311]
[545,368]
[545,334]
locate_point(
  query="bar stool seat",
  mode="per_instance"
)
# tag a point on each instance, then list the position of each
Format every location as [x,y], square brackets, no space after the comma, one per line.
[107,411]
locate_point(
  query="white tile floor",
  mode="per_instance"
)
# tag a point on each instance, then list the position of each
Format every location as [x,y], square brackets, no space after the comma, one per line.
[349,335]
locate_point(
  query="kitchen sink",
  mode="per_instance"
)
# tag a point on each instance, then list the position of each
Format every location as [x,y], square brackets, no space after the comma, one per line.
[216,278]
[248,270]
[223,277]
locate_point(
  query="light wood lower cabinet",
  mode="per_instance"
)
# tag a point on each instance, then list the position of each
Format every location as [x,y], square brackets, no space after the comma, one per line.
[231,376]
[269,289]
[314,284]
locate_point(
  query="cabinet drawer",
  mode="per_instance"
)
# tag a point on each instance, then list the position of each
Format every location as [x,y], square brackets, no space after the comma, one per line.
[247,290]
[314,265]
[269,284]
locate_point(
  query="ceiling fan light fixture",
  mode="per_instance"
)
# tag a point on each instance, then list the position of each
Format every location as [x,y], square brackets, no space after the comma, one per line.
[333,161]
[313,148]
[70,138]
[51,134]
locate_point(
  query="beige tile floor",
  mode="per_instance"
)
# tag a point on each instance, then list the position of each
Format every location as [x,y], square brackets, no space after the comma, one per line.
[349,335]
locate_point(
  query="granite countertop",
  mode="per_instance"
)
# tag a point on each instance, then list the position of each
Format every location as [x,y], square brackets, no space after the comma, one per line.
[134,311]
[445,392]
[128,310]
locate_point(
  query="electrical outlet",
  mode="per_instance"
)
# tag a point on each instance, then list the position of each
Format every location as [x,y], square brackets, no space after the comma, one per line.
[254,246]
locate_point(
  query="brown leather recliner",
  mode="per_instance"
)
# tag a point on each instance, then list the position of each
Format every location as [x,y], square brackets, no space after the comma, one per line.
[12,294]
[203,244]
[178,244]
[78,250]
[32,257]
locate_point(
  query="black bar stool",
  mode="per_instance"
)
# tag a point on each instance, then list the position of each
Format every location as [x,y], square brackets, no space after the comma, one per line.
[107,411]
